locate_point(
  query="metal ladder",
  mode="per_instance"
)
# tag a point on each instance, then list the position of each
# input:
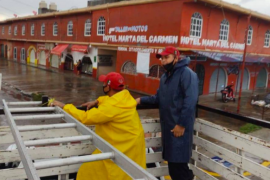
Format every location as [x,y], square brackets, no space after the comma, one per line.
[65,160]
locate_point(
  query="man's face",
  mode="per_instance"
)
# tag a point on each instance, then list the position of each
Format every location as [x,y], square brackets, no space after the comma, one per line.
[167,59]
[106,88]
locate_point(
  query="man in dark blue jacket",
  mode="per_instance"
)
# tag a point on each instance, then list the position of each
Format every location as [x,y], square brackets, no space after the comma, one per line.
[177,97]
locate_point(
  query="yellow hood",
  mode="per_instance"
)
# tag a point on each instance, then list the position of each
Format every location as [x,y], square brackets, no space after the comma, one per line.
[122,99]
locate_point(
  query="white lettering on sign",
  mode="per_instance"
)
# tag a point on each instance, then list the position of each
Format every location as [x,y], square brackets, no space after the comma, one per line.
[141,39]
[141,50]
[211,43]
[123,29]
[41,46]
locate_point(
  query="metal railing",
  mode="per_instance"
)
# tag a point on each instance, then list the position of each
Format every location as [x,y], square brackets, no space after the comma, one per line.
[247,155]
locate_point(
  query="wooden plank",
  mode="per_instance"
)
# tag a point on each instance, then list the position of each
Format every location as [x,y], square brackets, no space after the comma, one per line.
[151,127]
[235,139]
[153,142]
[19,173]
[237,160]
[49,152]
[236,133]
[159,171]
[6,136]
[154,157]
[201,174]
[216,167]
[3,131]
[151,120]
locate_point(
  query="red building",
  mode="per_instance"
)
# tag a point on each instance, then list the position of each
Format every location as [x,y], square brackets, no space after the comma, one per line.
[125,37]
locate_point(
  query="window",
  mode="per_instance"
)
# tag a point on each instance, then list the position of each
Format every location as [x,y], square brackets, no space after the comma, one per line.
[196,25]
[23,30]
[32,30]
[87,27]
[70,28]
[9,30]
[267,38]
[55,29]
[129,68]
[3,30]
[156,71]
[23,54]
[15,30]
[224,30]
[15,53]
[249,37]
[43,29]
[101,26]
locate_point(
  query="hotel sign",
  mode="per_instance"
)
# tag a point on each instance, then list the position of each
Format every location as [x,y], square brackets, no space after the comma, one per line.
[208,43]
[141,39]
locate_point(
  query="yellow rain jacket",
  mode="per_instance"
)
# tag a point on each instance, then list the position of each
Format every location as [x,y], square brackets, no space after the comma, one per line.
[117,122]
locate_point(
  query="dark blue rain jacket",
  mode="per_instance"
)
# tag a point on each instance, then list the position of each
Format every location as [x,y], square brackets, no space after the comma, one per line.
[177,97]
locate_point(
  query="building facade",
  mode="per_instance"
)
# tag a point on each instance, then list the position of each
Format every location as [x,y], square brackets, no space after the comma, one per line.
[125,37]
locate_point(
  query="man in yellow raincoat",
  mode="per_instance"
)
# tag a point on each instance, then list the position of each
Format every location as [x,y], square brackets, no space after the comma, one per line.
[117,121]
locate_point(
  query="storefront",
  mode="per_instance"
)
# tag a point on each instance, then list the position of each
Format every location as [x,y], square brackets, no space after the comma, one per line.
[56,56]
[44,53]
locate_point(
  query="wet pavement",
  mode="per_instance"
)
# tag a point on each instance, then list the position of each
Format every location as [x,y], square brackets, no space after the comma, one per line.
[246,108]
[19,81]
[63,85]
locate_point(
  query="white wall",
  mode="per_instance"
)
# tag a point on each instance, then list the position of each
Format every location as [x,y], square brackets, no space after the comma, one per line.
[92,54]
[64,56]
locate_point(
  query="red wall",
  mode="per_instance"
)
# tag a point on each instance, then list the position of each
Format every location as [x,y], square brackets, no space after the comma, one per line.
[212,18]
[78,29]
[139,82]
[162,18]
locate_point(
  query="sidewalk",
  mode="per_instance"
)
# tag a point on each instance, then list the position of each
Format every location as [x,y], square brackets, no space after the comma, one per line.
[246,108]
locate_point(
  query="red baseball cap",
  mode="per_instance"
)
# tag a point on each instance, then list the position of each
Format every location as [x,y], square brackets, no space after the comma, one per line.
[168,50]
[114,80]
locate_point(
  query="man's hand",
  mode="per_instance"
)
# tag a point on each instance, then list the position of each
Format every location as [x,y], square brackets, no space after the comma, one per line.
[90,104]
[178,131]
[58,103]
[138,100]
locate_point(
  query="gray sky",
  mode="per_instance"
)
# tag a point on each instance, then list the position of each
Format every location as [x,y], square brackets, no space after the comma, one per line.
[25,7]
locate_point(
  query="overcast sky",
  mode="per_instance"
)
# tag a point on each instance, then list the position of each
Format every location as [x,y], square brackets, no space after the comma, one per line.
[25,7]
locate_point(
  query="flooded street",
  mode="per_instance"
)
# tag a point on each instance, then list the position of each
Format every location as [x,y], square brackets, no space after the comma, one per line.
[20,81]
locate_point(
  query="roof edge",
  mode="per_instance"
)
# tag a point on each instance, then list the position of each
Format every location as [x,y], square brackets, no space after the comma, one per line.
[237,8]
[84,10]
